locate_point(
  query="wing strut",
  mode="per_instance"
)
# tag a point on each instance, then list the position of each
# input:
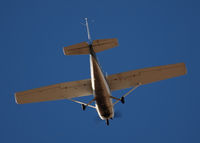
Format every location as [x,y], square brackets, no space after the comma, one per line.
[82,103]
[84,106]
[122,98]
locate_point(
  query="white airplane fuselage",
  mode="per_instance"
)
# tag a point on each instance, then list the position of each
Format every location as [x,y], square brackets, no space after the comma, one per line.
[101,90]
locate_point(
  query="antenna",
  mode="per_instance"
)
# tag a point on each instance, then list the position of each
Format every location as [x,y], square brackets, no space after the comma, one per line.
[88,30]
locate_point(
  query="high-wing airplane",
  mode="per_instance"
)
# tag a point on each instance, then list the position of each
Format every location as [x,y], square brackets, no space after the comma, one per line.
[99,85]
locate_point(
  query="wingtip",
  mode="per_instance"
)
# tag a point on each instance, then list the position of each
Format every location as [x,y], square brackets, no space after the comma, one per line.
[16,99]
[186,71]
[64,51]
[185,68]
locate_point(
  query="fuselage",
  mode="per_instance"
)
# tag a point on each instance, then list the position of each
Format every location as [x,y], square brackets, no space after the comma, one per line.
[101,90]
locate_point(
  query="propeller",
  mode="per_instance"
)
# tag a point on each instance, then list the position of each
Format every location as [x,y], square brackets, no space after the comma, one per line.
[117,115]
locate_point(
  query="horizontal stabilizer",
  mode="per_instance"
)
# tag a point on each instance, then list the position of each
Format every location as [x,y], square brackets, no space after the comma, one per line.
[97,45]
[77,49]
[104,44]
[145,76]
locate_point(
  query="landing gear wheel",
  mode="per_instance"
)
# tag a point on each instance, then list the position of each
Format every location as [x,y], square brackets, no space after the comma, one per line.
[83,107]
[122,100]
[107,122]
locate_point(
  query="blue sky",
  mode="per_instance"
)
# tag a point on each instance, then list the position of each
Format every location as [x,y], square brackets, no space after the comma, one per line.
[150,33]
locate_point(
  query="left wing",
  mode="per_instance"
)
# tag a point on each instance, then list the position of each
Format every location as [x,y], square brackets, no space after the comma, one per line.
[65,90]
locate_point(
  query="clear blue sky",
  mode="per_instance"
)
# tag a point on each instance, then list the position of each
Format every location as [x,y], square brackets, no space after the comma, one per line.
[150,33]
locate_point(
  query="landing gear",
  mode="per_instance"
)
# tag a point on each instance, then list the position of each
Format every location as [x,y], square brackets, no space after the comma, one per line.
[86,105]
[83,106]
[119,99]
[82,103]
[107,122]
[122,100]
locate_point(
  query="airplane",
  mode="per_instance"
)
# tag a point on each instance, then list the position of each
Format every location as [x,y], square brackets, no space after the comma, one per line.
[100,85]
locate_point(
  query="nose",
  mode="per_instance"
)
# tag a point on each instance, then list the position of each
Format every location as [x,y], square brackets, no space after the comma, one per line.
[106,115]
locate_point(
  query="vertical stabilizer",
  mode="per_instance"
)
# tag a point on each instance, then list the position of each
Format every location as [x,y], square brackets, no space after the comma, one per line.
[88,31]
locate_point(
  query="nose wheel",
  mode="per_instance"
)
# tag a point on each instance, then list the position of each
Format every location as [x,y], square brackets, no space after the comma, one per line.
[107,122]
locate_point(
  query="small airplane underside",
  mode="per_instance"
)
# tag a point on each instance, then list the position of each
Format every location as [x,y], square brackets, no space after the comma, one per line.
[99,85]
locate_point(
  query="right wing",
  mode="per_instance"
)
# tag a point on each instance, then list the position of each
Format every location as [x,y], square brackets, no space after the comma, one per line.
[59,91]
[145,76]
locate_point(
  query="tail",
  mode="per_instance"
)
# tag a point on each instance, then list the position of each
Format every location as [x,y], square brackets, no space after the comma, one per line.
[97,45]
[84,47]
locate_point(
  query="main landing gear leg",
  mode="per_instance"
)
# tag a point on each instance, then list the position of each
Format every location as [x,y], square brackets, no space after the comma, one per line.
[119,99]
[83,105]
[86,105]
[107,122]
[122,98]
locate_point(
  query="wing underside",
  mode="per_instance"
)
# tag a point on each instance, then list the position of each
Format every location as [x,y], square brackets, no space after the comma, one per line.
[145,76]
[118,81]
[60,91]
